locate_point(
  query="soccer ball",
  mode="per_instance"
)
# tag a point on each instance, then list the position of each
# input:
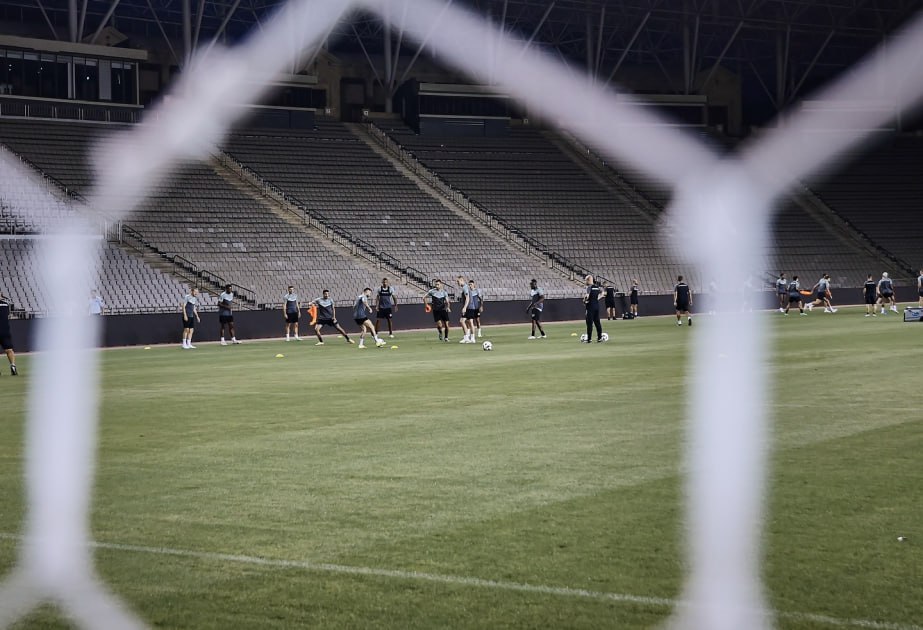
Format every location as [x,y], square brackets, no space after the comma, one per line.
[605,337]
[487,346]
[583,337]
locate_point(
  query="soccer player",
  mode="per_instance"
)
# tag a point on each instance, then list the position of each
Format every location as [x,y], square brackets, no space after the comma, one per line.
[870,293]
[610,302]
[472,311]
[467,329]
[794,296]
[291,308]
[479,307]
[633,298]
[535,307]
[226,315]
[782,291]
[96,306]
[920,286]
[886,293]
[386,306]
[682,300]
[327,316]
[6,335]
[822,295]
[591,297]
[190,317]
[439,304]
[362,310]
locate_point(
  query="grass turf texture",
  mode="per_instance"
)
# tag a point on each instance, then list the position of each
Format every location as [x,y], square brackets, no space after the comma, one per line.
[545,462]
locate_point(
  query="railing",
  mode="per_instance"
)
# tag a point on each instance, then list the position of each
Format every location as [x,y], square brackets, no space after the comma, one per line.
[818,202]
[316,219]
[555,260]
[12,107]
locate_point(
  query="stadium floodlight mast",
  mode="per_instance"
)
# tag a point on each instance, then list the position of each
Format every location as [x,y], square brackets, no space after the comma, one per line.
[719,217]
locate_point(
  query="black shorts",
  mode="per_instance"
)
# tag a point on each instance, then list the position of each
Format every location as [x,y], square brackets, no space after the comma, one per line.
[921,293]
[536,314]
[472,313]
[870,299]
[226,319]
[794,297]
[441,316]
[189,323]
[610,302]
[361,320]
[6,341]
[633,299]
[682,306]
[820,296]
[291,318]
[383,313]
[887,294]
[327,322]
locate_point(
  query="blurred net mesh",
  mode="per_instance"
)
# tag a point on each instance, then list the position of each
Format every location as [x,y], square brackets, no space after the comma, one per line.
[721,207]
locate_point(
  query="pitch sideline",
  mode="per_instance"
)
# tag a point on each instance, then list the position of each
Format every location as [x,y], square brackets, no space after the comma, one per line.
[457,580]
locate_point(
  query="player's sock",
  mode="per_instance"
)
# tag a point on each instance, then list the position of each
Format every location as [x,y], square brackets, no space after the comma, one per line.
[689,321]
[286,337]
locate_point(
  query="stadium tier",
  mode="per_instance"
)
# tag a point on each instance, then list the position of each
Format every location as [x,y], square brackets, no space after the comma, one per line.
[880,194]
[126,284]
[201,216]
[338,176]
[531,183]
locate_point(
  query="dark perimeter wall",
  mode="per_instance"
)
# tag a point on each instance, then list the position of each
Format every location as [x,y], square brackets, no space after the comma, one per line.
[143,330]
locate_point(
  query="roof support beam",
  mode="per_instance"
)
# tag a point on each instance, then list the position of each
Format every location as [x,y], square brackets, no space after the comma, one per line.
[813,63]
[224,24]
[72,19]
[198,25]
[627,49]
[187,31]
[367,57]
[720,58]
[104,21]
[41,8]
[83,20]
[423,44]
[163,33]
[538,27]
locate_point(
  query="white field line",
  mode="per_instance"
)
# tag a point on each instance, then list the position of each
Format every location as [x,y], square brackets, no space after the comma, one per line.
[457,580]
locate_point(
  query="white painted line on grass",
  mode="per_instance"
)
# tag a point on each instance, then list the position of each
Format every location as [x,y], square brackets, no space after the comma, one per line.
[458,580]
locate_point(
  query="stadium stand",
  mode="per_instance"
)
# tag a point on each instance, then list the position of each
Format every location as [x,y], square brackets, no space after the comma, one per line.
[336,175]
[210,222]
[880,194]
[530,182]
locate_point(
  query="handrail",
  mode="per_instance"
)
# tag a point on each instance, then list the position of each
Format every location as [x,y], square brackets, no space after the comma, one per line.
[496,223]
[318,220]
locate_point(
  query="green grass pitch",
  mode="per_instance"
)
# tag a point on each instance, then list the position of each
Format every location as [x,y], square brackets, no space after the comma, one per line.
[551,464]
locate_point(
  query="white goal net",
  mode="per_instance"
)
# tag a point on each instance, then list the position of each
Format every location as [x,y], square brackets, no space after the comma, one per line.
[722,207]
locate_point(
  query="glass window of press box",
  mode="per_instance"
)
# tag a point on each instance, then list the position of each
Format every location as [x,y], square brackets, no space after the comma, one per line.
[46,75]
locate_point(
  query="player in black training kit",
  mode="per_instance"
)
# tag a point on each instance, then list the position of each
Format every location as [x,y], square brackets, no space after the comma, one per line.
[869,293]
[385,306]
[535,308]
[439,305]
[591,299]
[633,298]
[794,296]
[6,336]
[920,286]
[610,302]
[682,300]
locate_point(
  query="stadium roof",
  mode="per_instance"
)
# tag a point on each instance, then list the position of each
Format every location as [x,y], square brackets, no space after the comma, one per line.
[784,46]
